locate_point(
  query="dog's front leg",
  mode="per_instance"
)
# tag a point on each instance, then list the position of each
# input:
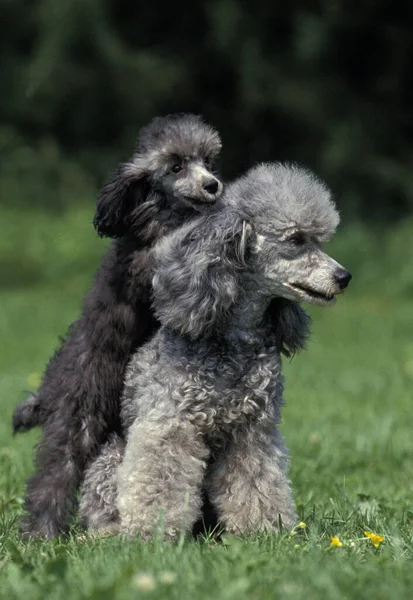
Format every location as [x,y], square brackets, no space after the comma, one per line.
[248,484]
[160,479]
[98,508]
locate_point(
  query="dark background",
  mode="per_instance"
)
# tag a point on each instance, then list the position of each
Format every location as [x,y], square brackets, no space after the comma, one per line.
[326,84]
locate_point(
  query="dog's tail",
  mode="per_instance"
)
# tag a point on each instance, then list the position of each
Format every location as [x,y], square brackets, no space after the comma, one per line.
[26,415]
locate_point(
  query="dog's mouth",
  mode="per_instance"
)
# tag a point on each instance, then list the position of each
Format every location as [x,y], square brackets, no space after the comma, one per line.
[200,204]
[311,295]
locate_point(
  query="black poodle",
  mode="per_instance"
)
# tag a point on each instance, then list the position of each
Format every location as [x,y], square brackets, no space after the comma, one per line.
[168,180]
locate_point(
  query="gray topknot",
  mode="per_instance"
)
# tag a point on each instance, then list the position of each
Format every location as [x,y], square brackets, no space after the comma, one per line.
[183,134]
[288,195]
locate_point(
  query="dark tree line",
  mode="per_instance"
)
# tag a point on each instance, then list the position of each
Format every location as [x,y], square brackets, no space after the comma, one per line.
[327,84]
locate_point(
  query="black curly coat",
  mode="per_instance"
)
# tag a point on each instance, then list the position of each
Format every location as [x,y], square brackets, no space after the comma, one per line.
[169,178]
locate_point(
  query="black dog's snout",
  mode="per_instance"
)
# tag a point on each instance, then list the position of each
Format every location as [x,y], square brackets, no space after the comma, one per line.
[343,278]
[211,186]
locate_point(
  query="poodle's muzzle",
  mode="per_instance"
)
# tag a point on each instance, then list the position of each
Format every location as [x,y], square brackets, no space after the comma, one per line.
[318,281]
[198,188]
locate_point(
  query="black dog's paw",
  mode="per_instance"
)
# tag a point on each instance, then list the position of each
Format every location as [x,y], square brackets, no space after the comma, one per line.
[46,530]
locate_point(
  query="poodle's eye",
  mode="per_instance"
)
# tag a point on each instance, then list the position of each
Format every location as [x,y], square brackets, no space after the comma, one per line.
[297,239]
[176,168]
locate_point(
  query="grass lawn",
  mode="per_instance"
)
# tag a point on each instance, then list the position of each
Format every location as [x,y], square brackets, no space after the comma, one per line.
[348,422]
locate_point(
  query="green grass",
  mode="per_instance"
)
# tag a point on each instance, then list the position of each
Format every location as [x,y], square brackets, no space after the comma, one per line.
[347,422]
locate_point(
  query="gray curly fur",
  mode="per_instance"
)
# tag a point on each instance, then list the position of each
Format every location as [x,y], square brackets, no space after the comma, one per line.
[202,399]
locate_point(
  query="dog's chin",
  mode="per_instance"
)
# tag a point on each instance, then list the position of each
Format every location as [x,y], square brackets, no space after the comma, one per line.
[201,204]
[311,295]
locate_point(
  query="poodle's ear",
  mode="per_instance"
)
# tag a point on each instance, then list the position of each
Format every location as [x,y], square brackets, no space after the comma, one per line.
[291,324]
[125,189]
[197,272]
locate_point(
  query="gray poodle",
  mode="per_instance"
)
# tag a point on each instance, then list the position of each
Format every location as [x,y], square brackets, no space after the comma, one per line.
[202,399]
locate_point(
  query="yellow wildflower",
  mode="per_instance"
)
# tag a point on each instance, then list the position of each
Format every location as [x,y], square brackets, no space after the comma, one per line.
[298,528]
[376,540]
[335,541]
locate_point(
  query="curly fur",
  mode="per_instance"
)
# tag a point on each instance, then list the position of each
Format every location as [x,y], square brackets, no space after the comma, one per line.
[78,401]
[202,399]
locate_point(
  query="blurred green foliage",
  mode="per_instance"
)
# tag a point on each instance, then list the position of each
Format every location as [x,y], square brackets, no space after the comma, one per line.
[39,247]
[326,84]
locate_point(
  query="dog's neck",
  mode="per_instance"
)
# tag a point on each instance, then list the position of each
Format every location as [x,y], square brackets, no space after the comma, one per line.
[157,216]
[247,323]
[171,212]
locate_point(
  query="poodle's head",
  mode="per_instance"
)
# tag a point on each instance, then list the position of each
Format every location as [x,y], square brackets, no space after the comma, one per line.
[264,240]
[290,213]
[175,157]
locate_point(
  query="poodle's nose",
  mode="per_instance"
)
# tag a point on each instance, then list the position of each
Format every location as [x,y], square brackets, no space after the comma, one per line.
[343,278]
[211,186]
